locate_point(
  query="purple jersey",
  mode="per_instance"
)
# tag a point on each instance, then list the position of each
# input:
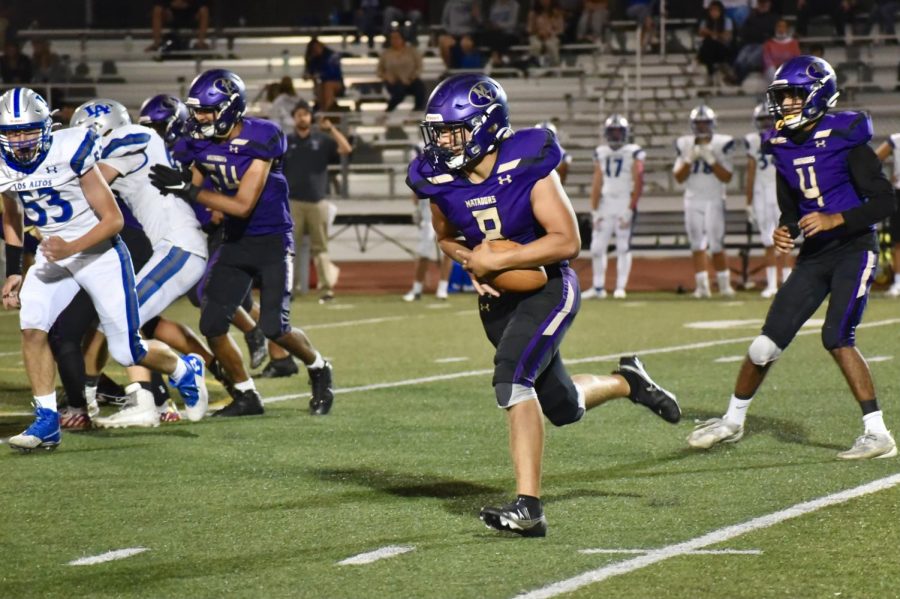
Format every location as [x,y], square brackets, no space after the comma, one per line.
[817,171]
[500,206]
[224,163]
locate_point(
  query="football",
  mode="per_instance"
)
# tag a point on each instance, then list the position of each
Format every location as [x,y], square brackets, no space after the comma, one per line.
[519,280]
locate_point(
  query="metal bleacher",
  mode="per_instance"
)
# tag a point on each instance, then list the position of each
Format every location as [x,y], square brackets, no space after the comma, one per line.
[656,93]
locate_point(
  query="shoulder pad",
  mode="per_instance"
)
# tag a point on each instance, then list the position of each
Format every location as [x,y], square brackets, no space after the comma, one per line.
[124,141]
[854,127]
[86,152]
[423,180]
[532,149]
[261,139]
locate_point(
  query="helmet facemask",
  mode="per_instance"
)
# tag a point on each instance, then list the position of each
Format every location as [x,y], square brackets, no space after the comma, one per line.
[616,136]
[225,117]
[457,144]
[25,145]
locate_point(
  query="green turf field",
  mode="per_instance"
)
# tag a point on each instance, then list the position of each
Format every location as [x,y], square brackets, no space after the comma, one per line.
[268,506]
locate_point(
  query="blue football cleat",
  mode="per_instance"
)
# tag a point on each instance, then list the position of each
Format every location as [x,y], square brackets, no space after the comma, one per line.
[192,387]
[44,432]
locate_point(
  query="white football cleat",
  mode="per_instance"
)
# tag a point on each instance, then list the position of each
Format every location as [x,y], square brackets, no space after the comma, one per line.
[594,293]
[894,291]
[768,293]
[713,431]
[619,294]
[140,411]
[871,445]
[727,291]
[701,293]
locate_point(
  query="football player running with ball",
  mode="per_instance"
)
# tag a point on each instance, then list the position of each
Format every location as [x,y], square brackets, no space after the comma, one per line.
[830,188]
[485,183]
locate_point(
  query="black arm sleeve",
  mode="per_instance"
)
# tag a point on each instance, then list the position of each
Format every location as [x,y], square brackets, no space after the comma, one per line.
[787,204]
[870,183]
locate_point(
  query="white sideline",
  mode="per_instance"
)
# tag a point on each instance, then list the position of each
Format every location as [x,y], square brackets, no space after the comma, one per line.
[697,552]
[606,358]
[107,557]
[717,536]
[374,556]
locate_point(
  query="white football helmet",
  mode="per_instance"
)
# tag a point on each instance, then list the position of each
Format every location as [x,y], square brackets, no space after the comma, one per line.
[548,125]
[703,121]
[615,130]
[25,116]
[762,118]
[101,115]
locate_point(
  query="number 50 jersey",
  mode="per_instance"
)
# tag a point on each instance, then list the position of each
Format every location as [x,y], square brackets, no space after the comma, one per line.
[51,195]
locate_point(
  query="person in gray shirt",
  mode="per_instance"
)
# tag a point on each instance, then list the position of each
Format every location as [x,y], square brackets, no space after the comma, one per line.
[309,151]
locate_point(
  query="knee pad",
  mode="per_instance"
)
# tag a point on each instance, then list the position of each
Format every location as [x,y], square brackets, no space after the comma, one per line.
[832,339]
[763,351]
[509,394]
[214,320]
[273,327]
[149,328]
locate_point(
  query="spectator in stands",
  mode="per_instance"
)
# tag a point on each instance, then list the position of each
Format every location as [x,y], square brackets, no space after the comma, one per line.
[306,170]
[759,27]
[779,49]
[466,55]
[642,13]
[716,32]
[502,30]
[323,66]
[460,17]
[838,10]
[405,15]
[736,10]
[571,10]
[15,67]
[368,20]
[400,69]
[545,25]
[883,12]
[48,66]
[282,108]
[179,15]
[594,21]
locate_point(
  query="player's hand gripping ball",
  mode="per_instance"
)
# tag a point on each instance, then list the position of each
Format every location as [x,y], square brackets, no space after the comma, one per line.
[519,280]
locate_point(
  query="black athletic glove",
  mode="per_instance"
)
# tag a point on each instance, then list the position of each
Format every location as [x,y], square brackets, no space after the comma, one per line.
[174,181]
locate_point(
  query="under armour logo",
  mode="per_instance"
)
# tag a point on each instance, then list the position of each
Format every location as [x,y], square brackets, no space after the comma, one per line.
[504,179]
[484,307]
[482,94]
[234,149]
[820,143]
[95,110]
[52,169]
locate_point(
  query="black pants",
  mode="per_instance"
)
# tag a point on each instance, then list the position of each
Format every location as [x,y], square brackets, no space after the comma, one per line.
[398,91]
[232,270]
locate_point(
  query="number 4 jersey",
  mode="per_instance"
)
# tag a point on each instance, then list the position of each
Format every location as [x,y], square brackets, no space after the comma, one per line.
[500,206]
[51,195]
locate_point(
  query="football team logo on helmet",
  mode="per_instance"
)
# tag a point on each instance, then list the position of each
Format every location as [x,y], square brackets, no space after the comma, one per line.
[226,86]
[482,94]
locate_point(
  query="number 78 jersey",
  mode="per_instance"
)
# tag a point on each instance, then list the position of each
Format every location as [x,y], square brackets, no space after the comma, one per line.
[51,195]
[816,169]
[618,166]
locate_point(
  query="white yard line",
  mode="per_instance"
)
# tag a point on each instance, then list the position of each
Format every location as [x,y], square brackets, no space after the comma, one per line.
[374,556]
[109,556]
[449,360]
[353,323]
[3,354]
[712,538]
[726,359]
[606,358]
[698,552]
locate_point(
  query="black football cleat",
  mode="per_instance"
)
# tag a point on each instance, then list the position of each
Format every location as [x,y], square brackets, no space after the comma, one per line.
[256,344]
[245,403]
[276,369]
[322,390]
[215,369]
[646,392]
[516,518]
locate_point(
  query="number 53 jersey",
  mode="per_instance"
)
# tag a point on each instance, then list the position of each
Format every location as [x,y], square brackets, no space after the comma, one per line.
[500,206]
[816,169]
[51,195]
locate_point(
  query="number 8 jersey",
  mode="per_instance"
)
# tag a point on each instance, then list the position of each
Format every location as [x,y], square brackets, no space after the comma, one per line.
[51,195]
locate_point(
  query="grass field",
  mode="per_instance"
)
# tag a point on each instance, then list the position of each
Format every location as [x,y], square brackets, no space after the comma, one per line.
[269,506]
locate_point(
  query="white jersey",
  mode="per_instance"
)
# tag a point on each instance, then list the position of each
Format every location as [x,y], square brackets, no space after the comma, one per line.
[131,150]
[894,142]
[618,168]
[702,184]
[764,182]
[51,195]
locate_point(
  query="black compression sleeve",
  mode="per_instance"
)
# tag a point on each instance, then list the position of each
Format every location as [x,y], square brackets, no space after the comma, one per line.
[870,183]
[14,255]
[787,204]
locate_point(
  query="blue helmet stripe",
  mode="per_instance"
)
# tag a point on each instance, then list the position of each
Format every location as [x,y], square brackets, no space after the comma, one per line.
[17,94]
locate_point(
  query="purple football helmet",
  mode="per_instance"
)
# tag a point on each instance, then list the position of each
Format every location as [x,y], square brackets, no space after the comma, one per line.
[808,78]
[470,102]
[218,91]
[167,114]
